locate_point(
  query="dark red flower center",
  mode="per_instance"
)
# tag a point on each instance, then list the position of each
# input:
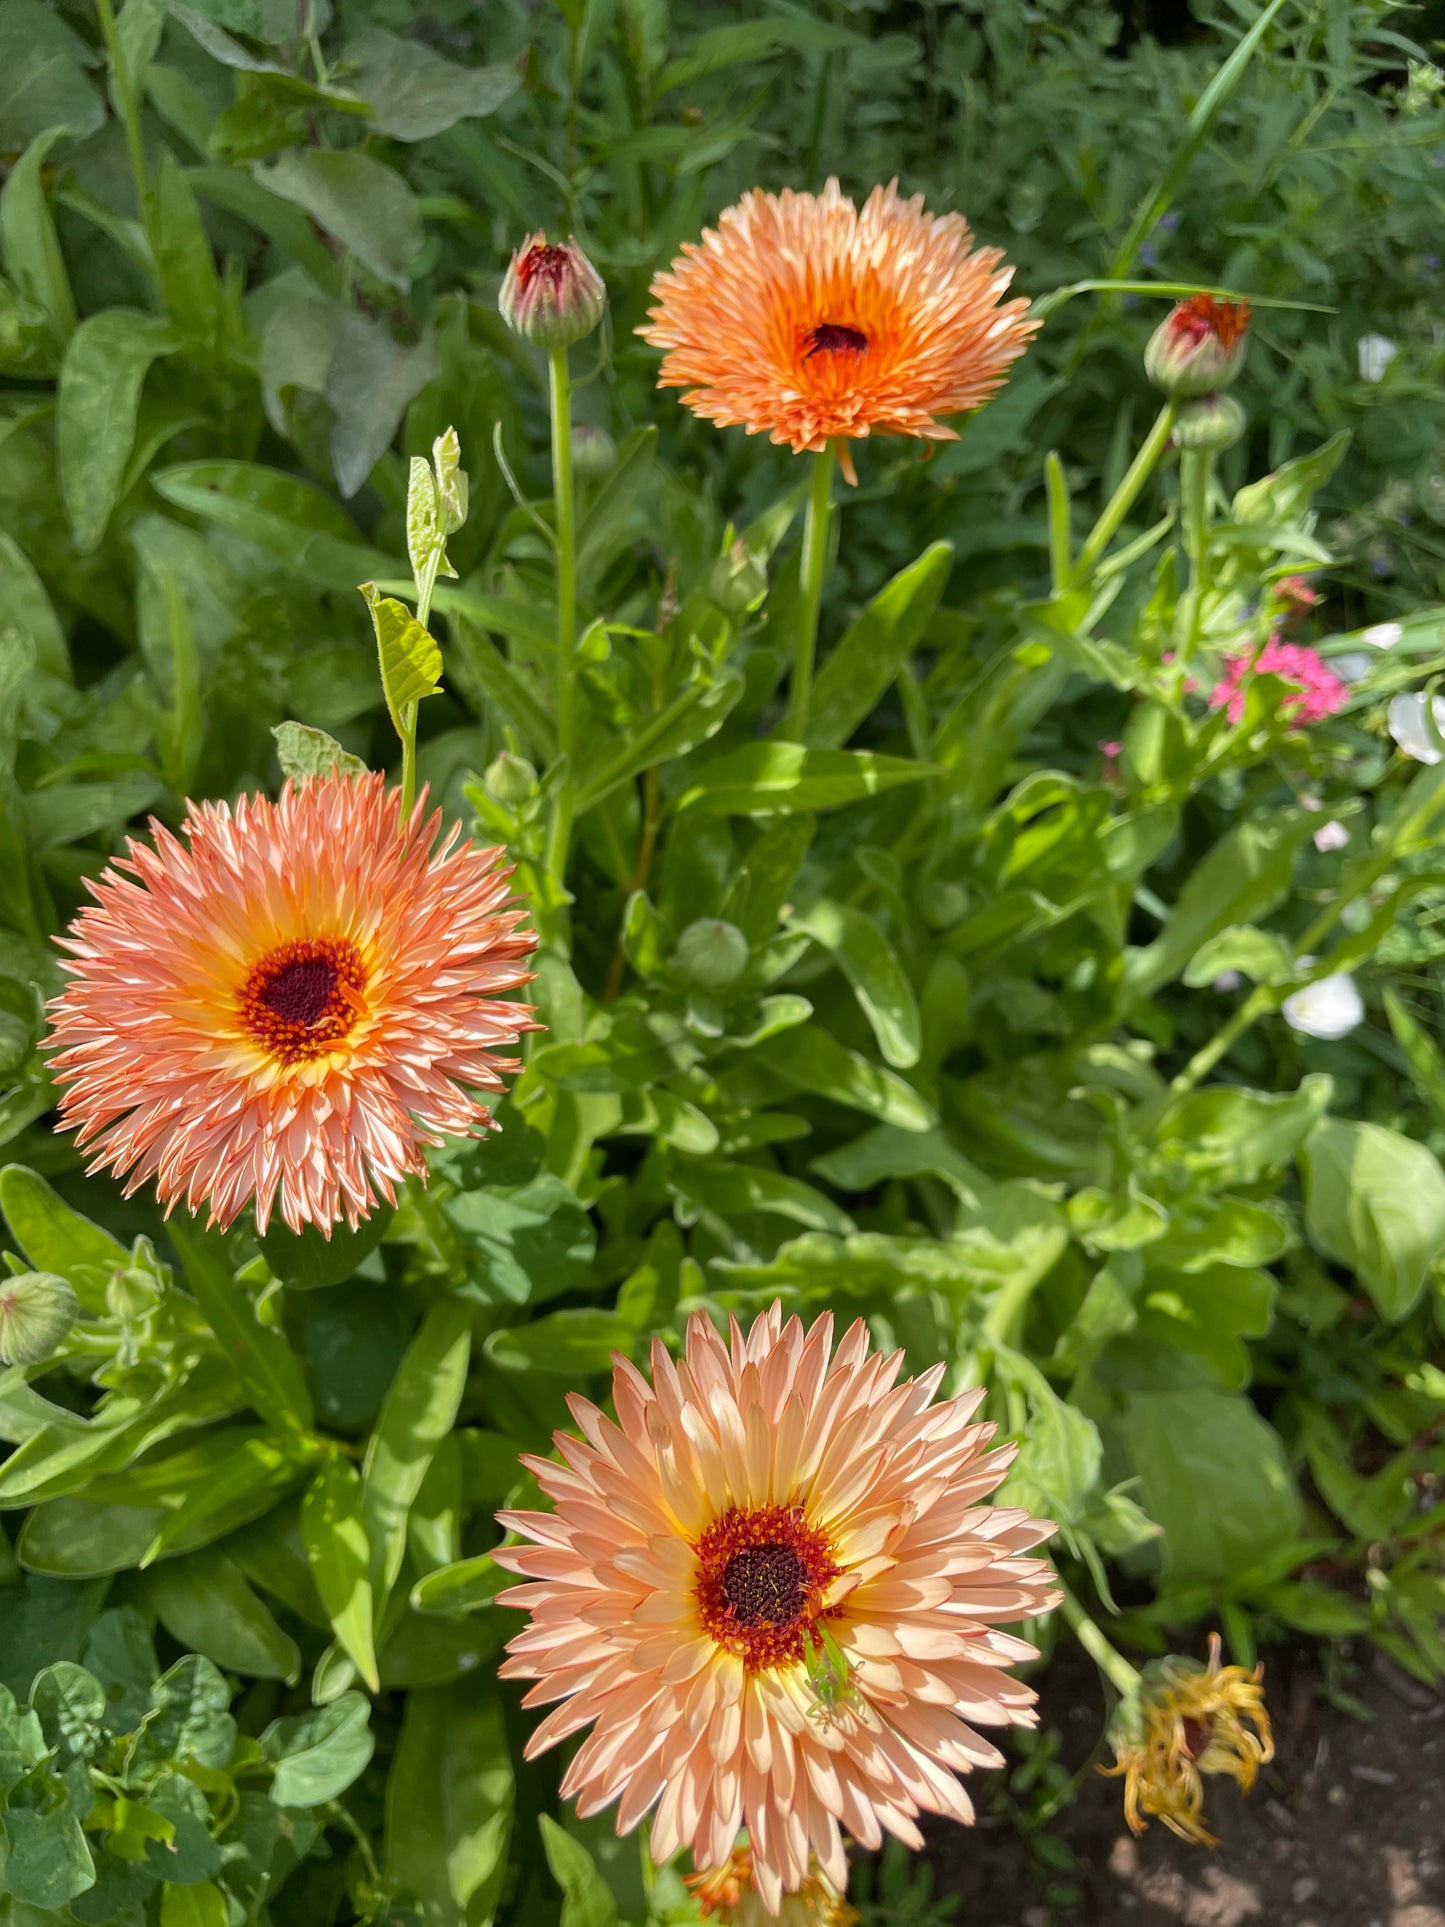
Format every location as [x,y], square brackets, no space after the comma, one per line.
[301,999]
[1197,1735]
[544,262]
[761,1576]
[833,338]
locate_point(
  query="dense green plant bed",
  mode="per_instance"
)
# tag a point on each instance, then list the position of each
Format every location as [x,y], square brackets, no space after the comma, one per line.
[996,901]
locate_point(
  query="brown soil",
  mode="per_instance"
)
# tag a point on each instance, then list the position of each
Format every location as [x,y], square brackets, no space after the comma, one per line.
[1345,1829]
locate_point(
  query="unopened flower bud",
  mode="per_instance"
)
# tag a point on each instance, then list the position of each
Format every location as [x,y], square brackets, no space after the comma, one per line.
[131,1293]
[739,580]
[511,779]
[552,295]
[712,953]
[1210,423]
[37,1309]
[1198,348]
[594,453]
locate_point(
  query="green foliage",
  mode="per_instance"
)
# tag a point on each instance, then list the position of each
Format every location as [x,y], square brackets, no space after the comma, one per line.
[925,1016]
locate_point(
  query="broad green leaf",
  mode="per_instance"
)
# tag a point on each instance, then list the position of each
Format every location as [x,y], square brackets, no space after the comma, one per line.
[1261,955]
[1287,493]
[188,1717]
[56,1238]
[696,714]
[42,76]
[586,1898]
[366,205]
[526,1242]
[416,94]
[1234,1136]
[767,779]
[185,266]
[48,1862]
[205,1602]
[812,1060]
[875,647]
[290,520]
[340,1558]
[29,245]
[731,1188]
[308,1261]
[304,752]
[319,1754]
[26,603]
[260,1354]
[411,663]
[449,1802]
[370,380]
[871,965]
[243,1483]
[575,1343]
[461,1587]
[202,1904]
[1375,1203]
[419,1412]
[70,1704]
[105,365]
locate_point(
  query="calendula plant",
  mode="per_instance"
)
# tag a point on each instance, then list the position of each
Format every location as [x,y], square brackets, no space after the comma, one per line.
[987,912]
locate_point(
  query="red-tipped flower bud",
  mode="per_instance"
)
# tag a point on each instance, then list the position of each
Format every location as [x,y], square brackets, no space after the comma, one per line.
[551,295]
[1198,348]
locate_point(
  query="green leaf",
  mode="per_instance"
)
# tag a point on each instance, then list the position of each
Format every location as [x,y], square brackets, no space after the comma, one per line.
[48,1862]
[304,752]
[264,1362]
[727,1189]
[185,267]
[416,94]
[875,647]
[419,1412]
[56,1238]
[371,378]
[1215,1477]
[1285,495]
[587,1900]
[364,204]
[242,1484]
[70,1704]
[42,76]
[1233,1136]
[204,1602]
[460,1587]
[309,1261]
[28,241]
[201,1905]
[575,1343]
[694,715]
[188,1718]
[290,520]
[871,965]
[24,599]
[1261,955]
[1426,1065]
[1375,1203]
[339,1555]
[811,1060]
[411,663]
[101,376]
[768,779]
[449,1802]
[320,1753]
[526,1242]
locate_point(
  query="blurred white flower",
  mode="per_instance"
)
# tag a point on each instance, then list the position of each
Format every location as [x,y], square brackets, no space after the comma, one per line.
[1376,352]
[1331,1008]
[1353,667]
[1226,981]
[1383,635]
[1405,719]
[1331,836]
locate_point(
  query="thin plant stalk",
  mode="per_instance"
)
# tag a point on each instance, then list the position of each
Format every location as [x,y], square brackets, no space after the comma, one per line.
[559,833]
[127,104]
[426,584]
[1123,1676]
[1196,470]
[815,558]
[1125,495]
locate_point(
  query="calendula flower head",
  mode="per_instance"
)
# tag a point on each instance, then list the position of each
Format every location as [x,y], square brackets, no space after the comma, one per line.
[289,1004]
[800,317]
[551,294]
[1198,347]
[773,1590]
[1188,1721]
[1318,691]
[729,1896]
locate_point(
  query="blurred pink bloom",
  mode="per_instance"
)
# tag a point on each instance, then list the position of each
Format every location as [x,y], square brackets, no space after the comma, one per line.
[1320,691]
[1295,595]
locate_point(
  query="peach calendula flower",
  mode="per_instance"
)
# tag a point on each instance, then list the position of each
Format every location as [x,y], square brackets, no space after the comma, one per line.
[1189,1720]
[289,1005]
[729,1896]
[774,1592]
[802,317]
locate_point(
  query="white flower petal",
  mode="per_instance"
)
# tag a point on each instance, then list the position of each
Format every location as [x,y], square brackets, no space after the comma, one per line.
[1375,352]
[1405,719]
[1383,635]
[1331,1008]
[1331,836]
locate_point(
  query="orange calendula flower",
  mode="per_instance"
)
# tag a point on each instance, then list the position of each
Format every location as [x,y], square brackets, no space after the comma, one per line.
[773,1590]
[803,318]
[729,1895]
[288,1006]
[1190,1720]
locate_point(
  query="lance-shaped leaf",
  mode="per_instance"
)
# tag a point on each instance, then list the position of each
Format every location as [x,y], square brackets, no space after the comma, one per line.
[340,1559]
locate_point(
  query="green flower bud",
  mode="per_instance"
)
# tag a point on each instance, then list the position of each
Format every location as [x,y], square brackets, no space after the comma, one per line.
[739,580]
[37,1309]
[712,953]
[511,779]
[1199,346]
[1211,422]
[594,453]
[552,295]
[132,1293]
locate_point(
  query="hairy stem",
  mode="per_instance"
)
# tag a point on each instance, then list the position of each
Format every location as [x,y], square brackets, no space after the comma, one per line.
[1125,495]
[815,557]
[559,833]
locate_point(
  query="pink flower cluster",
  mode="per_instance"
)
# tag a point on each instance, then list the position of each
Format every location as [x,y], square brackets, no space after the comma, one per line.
[1320,691]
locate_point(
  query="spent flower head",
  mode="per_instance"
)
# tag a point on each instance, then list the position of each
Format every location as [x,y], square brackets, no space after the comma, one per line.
[1198,347]
[552,295]
[728,1895]
[1188,1721]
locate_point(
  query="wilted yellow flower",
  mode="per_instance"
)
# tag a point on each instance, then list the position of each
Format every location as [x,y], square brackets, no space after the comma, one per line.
[1190,1720]
[727,1894]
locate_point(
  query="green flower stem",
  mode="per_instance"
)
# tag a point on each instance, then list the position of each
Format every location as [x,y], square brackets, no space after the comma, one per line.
[1196,470]
[815,557]
[129,107]
[559,832]
[1110,1661]
[1265,998]
[1124,496]
[426,583]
